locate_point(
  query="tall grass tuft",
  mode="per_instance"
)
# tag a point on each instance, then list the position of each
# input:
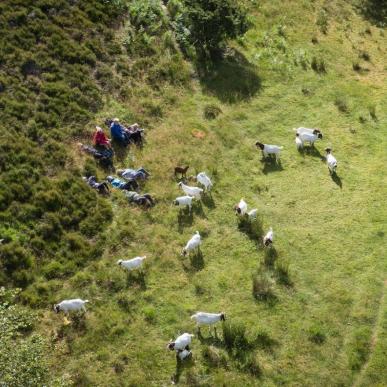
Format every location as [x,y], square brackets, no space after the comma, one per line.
[262,287]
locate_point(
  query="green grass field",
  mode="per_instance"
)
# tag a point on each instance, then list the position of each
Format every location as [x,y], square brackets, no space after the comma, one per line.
[322,317]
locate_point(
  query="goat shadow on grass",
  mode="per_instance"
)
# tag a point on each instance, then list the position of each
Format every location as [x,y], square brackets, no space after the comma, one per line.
[313,151]
[208,200]
[270,256]
[336,179]
[213,340]
[184,219]
[252,228]
[270,165]
[231,79]
[137,279]
[197,208]
[196,262]
[180,366]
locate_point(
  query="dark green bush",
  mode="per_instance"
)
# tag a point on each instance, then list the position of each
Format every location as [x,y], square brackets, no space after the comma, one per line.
[211,111]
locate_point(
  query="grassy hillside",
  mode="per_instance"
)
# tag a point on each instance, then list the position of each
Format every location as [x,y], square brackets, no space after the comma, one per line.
[318,313]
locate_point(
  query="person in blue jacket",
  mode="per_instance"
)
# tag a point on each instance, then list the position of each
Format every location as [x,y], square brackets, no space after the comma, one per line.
[118,132]
[124,185]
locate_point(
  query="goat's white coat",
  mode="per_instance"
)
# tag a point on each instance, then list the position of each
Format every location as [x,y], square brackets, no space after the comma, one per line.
[299,143]
[331,162]
[305,130]
[184,201]
[242,205]
[252,213]
[203,318]
[183,341]
[204,180]
[73,305]
[192,244]
[269,236]
[131,264]
[191,191]
[308,137]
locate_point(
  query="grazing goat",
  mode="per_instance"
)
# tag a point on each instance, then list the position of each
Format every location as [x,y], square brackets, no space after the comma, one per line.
[269,149]
[204,180]
[184,201]
[241,208]
[203,318]
[268,238]
[310,137]
[192,244]
[331,161]
[181,170]
[299,143]
[307,130]
[74,305]
[181,343]
[191,191]
[131,264]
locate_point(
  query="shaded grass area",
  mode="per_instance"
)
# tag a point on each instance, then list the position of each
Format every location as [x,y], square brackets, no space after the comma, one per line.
[325,269]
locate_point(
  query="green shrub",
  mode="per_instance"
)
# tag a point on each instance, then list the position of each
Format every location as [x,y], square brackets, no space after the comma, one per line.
[318,65]
[322,21]
[214,356]
[211,111]
[283,273]
[234,336]
[316,335]
[262,287]
[341,104]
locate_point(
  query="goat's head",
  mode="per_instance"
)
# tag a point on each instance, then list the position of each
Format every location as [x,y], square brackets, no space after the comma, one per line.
[57,308]
[222,317]
[328,150]
[171,346]
[238,211]
[268,242]
[180,184]
[184,252]
[260,145]
[119,262]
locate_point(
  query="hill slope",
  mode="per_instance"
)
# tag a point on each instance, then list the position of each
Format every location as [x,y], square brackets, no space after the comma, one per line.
[319,316]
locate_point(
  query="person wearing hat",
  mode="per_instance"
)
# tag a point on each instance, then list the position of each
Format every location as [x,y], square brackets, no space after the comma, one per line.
[100,139]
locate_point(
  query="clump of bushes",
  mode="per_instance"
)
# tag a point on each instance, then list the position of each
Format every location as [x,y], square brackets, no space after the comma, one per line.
[262,287]
[211,111]
[318,65]
[341,104]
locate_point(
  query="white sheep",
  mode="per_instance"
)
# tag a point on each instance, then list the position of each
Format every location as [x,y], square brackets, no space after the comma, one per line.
[184,201]
[310,137]
[191,191]
[241,208]
[269,150]
[299,143]
[204,318]
[204,180]
[269,237]
[331,161]
[74,305]
[192,244]
[133,263]
[181,343]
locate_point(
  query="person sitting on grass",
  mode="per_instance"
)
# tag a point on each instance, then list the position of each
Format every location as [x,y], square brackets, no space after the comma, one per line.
[102,188]
[100,139]
[120,184]
[145,200]
[118,132]
[130,174]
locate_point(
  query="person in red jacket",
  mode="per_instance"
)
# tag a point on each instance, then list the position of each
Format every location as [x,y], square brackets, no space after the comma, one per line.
[100,139]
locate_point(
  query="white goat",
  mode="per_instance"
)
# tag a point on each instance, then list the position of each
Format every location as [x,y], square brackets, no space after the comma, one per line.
[181,343]
[131,264]
[269,149]
[74,305]
[269,237]
[310,137]
[184,201]
[203,318]
[241,208]
[307,130]
[191,191]
[192,244]
[331,161]
[204,180]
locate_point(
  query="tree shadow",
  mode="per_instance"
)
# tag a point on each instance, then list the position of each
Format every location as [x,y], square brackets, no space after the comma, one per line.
[137,279]
[336,179]
[231,79]
[208,200]
[197,208]
[271,165]
[375,11]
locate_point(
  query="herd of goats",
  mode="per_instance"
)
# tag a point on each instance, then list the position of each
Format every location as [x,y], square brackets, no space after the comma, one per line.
[181,345]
